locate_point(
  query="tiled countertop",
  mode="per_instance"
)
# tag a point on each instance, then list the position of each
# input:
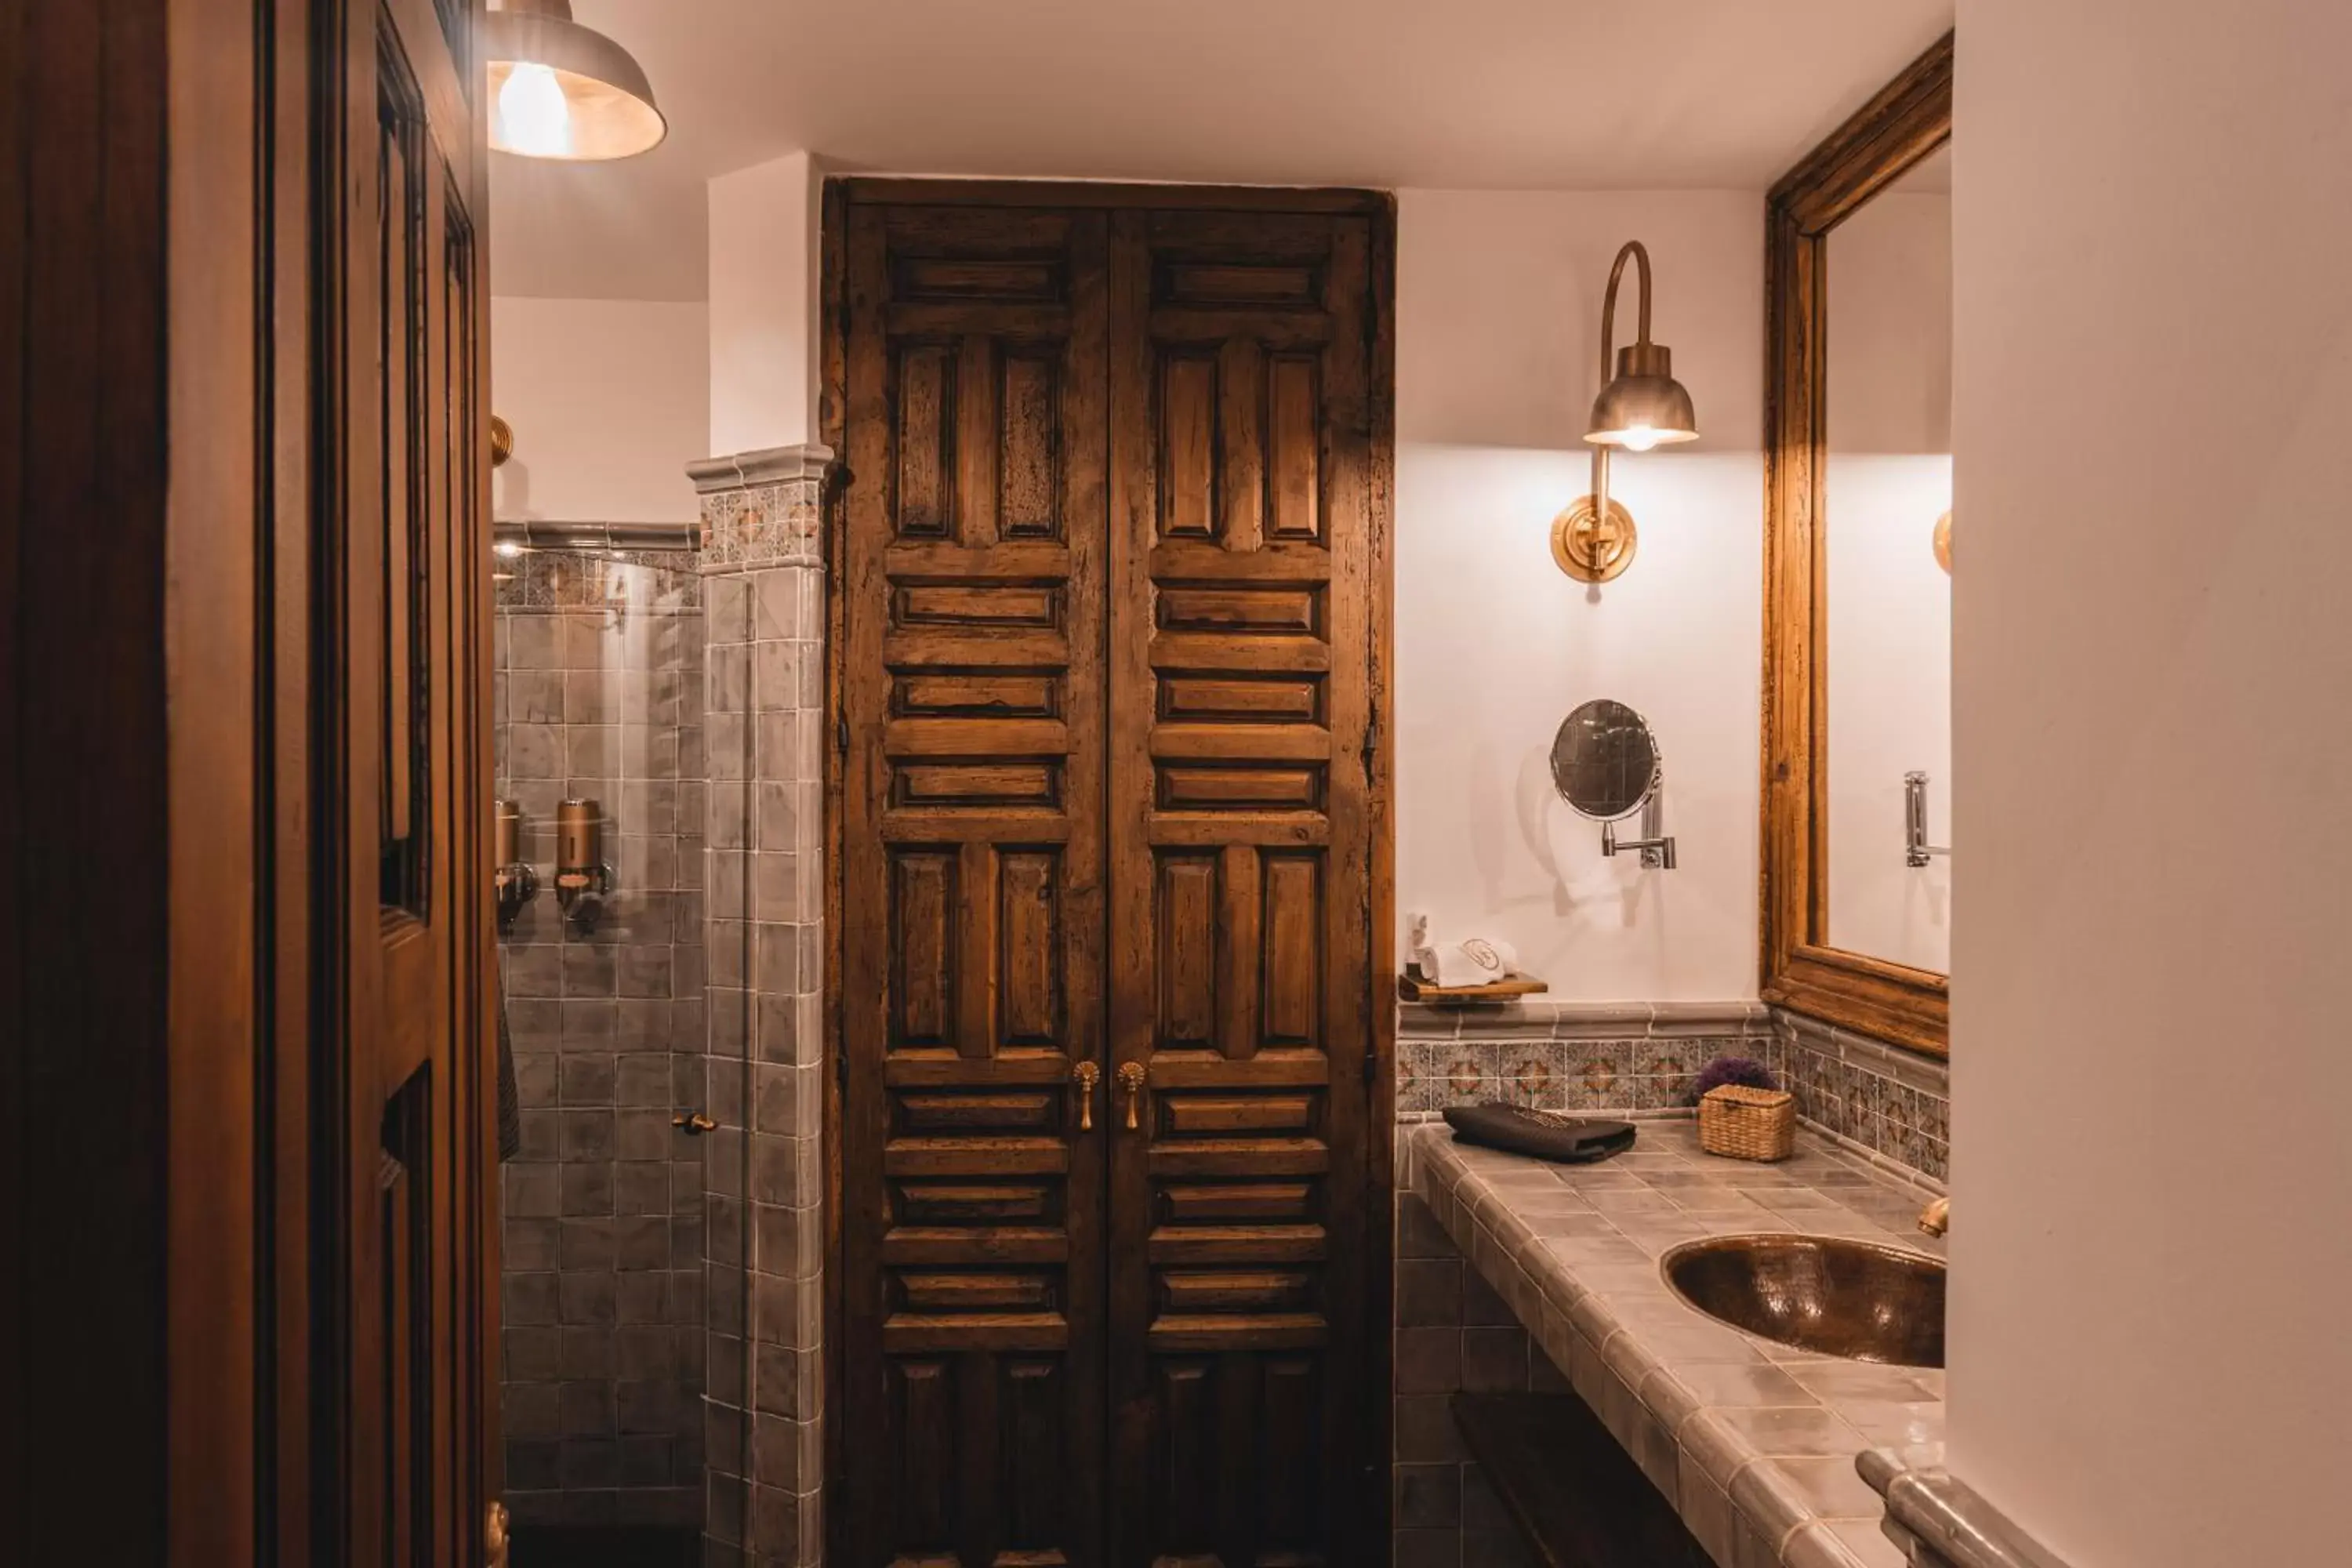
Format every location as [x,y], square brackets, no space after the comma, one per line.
[1754,1443]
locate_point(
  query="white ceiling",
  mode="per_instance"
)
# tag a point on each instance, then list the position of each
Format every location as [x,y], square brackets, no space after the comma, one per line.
[1534,94]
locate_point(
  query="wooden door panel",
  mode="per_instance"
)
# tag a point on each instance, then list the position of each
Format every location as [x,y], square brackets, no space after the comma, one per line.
[405,669]
[971,868]
[1240,860]
[1111,631]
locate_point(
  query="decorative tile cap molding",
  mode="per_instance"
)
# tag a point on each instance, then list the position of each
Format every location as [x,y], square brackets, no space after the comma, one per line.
[1548,1018]
[1940,1522]
[768,466]
[762,509]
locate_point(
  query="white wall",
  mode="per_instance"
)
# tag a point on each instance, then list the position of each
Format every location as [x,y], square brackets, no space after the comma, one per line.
[2152,1050]
[1499,305]
[764,282]
[609,400]
[1888,477]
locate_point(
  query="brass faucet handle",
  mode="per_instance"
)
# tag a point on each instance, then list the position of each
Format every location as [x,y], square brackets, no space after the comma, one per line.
[1085,1076]
[693,1124]
[1130,1084]
[1937,1217]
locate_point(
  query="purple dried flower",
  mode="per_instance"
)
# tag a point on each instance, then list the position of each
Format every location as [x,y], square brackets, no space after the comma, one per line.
[1733,1070]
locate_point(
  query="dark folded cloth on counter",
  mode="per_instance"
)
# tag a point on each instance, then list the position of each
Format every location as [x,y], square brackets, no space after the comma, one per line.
[1545,1134]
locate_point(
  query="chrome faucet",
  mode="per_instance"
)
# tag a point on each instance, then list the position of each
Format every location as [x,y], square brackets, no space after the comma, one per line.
[1937,1217]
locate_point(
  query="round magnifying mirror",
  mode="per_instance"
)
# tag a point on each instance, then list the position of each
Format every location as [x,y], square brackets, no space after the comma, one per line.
[1604,761]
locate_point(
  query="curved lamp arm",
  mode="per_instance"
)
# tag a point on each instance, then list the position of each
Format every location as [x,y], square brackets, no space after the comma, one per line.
[1641,255]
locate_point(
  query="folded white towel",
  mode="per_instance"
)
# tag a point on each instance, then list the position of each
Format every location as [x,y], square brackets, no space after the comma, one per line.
[1473,961]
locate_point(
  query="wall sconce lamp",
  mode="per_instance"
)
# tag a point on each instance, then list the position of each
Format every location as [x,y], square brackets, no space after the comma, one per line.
[564,92]
[1640,405]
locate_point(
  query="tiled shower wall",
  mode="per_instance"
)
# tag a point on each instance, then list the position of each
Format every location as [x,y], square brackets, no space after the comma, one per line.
[1451,1332]
[598,695]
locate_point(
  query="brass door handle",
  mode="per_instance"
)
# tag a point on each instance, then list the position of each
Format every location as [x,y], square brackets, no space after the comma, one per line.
[1130,1084]
[1085,1075]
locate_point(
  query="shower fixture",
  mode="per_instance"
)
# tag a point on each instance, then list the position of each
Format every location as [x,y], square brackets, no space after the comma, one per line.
[583,879]
[515,883]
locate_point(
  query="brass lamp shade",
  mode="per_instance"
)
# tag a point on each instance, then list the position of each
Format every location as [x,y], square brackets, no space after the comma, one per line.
[564,92]
[1642,405]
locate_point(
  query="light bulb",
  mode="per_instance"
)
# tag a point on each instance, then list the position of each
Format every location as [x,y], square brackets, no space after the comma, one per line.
[1640,439]
[534,117]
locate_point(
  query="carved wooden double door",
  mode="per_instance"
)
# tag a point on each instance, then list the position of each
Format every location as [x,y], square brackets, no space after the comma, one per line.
[1111,656]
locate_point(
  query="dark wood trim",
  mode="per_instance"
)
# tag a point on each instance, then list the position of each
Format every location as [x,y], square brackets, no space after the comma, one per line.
[1381,1121]
[85,1044]
[1904,124]
[832,429]
[1065,195]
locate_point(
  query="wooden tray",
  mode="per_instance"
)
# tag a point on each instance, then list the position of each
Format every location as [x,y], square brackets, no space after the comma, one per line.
[1413,988]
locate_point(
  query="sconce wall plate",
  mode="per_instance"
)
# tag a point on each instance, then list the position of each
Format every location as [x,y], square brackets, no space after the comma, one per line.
[502,442]
[1588,549]
[1944,543]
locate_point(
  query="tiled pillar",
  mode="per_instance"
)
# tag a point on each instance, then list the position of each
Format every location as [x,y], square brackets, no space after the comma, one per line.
[763,593]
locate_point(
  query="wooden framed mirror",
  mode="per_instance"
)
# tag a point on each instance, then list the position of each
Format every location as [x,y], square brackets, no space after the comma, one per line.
[1875,964]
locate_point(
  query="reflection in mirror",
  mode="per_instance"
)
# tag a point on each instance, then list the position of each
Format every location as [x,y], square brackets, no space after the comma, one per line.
[1887,482]
[1604,761]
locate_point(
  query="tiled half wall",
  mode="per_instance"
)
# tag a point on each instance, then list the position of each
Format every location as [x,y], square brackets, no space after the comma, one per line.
[1639,1059]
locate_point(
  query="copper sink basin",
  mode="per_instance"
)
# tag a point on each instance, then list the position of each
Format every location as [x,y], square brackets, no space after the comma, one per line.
[1819,1293]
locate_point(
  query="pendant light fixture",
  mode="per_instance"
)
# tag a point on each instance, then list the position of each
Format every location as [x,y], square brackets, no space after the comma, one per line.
[1640,405]
[564,92]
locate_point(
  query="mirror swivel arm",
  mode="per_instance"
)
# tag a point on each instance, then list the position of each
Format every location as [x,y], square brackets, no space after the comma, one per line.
[1657,848]
[1917,851]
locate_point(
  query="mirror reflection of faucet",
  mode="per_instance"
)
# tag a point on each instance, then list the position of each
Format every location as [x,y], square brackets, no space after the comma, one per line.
[1917,850]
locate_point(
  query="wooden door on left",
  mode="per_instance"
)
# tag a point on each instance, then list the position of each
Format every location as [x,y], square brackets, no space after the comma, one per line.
[246,1053]
[405,624]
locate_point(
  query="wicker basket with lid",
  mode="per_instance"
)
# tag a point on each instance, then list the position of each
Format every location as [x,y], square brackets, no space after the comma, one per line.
[1744,1123]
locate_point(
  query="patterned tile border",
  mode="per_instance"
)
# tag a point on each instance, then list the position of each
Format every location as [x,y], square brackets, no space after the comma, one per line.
[1888,1105]
[763,508]
[1892,1104]
[647,581]
[1567,1056]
